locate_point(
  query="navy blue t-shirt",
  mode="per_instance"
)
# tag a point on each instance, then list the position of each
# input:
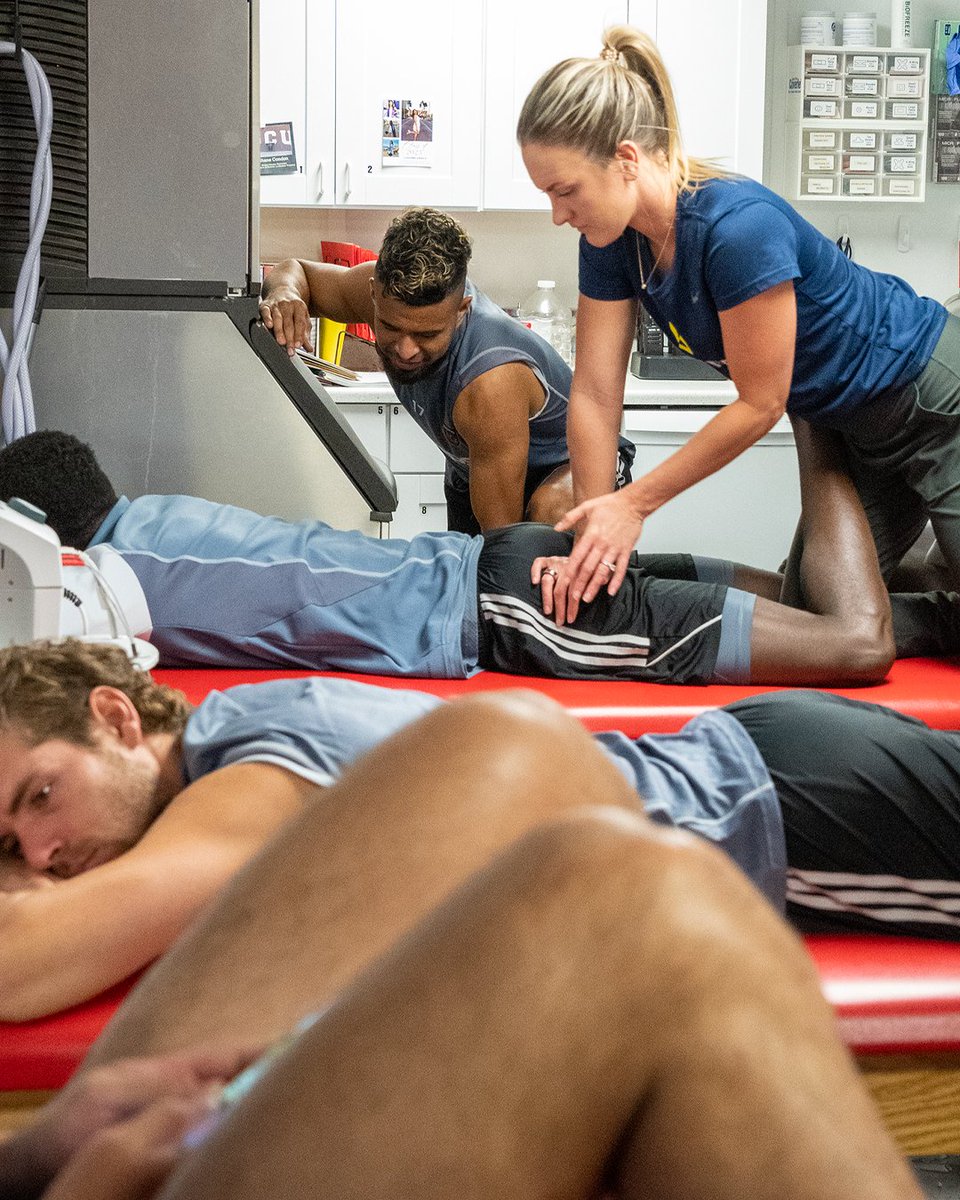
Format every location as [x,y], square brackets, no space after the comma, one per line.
[859,332]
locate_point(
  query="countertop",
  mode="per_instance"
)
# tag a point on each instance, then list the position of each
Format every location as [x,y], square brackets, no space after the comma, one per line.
[638,393]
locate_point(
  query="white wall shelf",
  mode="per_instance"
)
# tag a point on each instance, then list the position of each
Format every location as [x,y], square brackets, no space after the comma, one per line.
[857,124]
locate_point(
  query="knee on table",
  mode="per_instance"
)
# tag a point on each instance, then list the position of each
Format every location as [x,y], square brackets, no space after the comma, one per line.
[523,735]
[662,890]
[550,501]
[867,648]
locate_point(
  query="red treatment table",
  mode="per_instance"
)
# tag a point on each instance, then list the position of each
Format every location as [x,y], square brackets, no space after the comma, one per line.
[897,999]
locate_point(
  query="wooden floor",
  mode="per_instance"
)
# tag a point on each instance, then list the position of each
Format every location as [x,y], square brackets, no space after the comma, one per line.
[918,1098]
[18,1108]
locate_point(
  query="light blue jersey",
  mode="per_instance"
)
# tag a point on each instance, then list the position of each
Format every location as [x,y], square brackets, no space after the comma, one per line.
[229,588]
[708,779]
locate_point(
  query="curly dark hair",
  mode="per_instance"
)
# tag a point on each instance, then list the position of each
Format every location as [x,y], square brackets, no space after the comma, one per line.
[45,690]
[59,474]
[423,258]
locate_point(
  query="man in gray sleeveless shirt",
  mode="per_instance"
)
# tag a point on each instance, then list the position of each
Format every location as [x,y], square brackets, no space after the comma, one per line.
[488,391]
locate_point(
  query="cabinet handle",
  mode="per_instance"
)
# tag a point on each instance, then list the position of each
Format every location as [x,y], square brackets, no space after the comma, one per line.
[346,181]
[320,181]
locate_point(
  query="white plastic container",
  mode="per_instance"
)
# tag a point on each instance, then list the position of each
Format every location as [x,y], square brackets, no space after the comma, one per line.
[860,29]
[818,29]
[548,318]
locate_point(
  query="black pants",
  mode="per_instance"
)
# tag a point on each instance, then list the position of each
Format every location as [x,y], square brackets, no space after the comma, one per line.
[871,813]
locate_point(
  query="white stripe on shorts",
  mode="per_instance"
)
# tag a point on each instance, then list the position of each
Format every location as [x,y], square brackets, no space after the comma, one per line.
[881,898]
[605,649]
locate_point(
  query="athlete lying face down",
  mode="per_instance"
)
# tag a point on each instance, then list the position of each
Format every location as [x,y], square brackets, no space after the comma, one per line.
[123,811]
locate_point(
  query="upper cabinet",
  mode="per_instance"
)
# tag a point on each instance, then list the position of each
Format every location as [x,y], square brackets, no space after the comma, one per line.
[385,103]
[393,106]
[407,110]
[715,51]
[283,92]
[521,42]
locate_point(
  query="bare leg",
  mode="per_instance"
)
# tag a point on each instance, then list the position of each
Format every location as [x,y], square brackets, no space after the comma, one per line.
[768,584]
[606,1006]
[340,884]
[553,498]
[846,636]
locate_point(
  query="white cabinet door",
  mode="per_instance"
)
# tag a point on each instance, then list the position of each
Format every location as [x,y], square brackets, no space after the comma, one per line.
[746,512]
[369,423]
[715,51]
[410,448]
[426,56]
[321,43]
[421,507]
[522,41]
[283,85]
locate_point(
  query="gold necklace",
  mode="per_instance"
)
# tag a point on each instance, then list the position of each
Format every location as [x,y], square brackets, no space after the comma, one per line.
[656,263]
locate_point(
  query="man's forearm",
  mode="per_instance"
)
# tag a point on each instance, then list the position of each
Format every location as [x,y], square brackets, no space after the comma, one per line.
[288,281]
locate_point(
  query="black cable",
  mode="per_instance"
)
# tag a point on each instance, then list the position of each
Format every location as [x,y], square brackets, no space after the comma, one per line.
[845,246]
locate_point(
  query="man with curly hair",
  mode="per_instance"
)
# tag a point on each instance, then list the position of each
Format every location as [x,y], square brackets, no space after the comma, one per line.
[488,391]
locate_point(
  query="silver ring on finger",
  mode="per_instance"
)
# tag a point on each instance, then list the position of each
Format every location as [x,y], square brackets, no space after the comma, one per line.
[549,571]
[611,567]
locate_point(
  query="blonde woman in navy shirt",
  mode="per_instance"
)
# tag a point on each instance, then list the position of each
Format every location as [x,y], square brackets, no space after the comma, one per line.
[734,276]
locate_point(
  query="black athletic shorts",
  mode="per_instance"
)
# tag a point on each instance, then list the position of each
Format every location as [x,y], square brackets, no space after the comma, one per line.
[871,812]
[456,488]
[661,626]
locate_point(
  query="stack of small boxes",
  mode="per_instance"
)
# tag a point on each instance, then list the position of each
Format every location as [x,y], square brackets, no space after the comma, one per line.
[860,118]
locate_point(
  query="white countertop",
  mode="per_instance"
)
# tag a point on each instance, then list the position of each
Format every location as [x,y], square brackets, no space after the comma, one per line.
[638,393]
[677,393]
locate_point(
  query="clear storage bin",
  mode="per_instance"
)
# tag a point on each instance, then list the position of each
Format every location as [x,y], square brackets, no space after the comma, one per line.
[859,164]
[828,110]
[818,185]
[901,164]
[860,185]
[818,162]
[903,110]
[904,63]
[901,140]
[863,85]
[821,139]
[863,64]
[905,186]
[862,110]
[904,88]
[861,139]
[821,62]
[823,85]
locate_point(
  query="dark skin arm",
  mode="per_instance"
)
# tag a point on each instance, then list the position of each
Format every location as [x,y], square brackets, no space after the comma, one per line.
[492,416]
[296,290]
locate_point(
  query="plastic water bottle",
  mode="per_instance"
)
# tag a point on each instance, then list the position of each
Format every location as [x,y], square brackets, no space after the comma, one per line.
[546,317]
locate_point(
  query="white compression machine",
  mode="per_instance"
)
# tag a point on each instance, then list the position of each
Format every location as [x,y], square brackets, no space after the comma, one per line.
[50,591]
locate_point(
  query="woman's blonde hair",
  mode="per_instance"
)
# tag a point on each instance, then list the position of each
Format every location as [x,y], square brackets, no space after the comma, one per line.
[594,104]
